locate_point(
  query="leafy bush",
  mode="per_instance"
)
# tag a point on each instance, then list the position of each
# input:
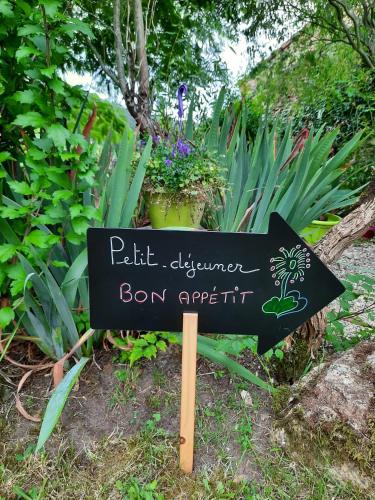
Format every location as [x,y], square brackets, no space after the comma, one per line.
[44,166]
[47,312]
[312,84]
[272,175]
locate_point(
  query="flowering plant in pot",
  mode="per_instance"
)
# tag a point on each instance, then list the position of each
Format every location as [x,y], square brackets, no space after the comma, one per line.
[180,179]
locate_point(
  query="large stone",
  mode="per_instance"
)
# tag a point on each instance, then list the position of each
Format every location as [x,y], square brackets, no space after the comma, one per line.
[329,416]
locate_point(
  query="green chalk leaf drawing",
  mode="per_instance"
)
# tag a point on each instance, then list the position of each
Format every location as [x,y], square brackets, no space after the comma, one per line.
[288,269]
[279,306]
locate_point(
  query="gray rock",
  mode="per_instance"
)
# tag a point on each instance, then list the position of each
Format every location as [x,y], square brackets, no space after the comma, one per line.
[329,416]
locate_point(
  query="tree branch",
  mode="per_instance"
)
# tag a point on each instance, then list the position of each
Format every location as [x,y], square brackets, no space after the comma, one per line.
[108,71]
[341,7]
[119,49]
[141,56]
[354,225]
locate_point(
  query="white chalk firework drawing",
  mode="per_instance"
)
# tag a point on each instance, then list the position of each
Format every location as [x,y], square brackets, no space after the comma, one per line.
[288,269]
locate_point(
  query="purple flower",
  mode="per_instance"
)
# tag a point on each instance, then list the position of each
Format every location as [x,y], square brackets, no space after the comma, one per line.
[181,92]
[183,148]
[168,162]
[156,139]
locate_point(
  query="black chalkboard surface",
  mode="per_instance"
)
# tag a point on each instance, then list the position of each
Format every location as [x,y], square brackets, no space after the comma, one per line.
[238,283]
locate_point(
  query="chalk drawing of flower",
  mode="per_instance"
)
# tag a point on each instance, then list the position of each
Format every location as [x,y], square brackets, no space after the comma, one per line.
[287,269]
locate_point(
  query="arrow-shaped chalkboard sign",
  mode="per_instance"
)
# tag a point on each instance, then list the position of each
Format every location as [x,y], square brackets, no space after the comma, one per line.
[238,283]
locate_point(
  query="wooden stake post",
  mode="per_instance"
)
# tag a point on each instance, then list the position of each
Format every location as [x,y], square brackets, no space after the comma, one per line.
[189,359]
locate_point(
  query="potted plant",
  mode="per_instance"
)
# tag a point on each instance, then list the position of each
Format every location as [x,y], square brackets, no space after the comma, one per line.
[318,228]
[180,179]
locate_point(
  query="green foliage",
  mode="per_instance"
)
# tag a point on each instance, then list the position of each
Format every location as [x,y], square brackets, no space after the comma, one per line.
[6,316]
[173,54]
[264,176]
[245,433]
[299,85]
[45,165]
[126,183]
[348,23]
[133,490]
[146,346]
[62,288]
[48,316]
[357,287]
[151,424]
[57,402]
[110,117]
[183,171]
[212,350]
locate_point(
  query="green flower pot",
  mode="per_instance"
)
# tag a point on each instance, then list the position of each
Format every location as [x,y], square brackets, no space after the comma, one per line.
[318,228]
[163,212]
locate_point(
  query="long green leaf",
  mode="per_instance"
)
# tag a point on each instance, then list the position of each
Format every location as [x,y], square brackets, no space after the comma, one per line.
[40,288]
[132,197]
[70,284]
[8,234]
[204,348]
[57,402]
[213,133]
[189,127]
[61,305]
[119,185]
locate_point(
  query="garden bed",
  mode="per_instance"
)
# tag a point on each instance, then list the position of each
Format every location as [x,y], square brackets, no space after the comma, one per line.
[120,427]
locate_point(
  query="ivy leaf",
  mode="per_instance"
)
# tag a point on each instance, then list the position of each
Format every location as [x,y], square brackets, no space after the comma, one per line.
[6,8]
[25,96]
[75,210]
[80,225]
[75,25]
[5,155]
[7,251]
[29,29]
[57,86]
[59,135]
[30,119]
[20,187]
[48,72]
[51,7]
[40,239]
[25,51]
[6,316]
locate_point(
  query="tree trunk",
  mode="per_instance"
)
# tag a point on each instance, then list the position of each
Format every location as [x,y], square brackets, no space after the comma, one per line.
[143,91]
[138,103]
[307,339]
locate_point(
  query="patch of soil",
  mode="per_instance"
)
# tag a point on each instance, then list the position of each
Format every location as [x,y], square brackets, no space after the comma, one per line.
[102,406]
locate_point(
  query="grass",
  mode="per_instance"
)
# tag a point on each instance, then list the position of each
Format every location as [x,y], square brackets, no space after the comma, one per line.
[146,466]
[126,386]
